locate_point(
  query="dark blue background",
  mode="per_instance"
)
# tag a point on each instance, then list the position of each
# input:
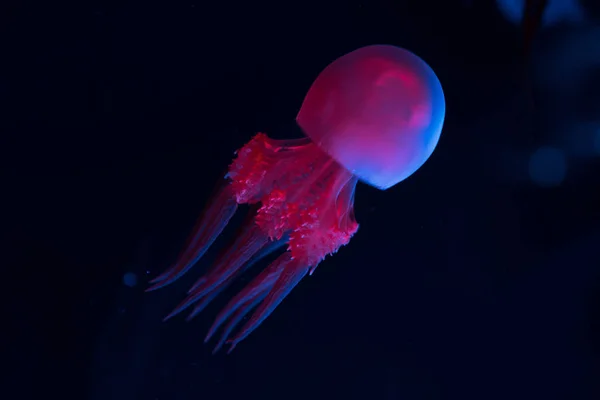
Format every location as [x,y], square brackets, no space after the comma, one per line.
[464,282]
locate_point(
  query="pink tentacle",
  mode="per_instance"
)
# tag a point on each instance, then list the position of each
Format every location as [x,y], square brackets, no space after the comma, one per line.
[242,250]
[236,317]
[290,274]
[248,298]
[206,298]
[214,219]
[268,249]
[205,295]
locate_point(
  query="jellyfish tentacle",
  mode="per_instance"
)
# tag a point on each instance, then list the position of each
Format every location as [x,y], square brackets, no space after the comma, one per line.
[291,273]
[209,297]
[268,249]
[209,226]
[240,312]
[248,298]
[205,297]
[247,245]
[238,240]
[235,319]
[193,298]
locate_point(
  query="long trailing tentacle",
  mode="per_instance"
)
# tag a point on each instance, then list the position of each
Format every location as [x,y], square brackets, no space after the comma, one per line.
[243,233]
[268,249]
[249,297]
[235,318]
[204,297]
[270,287]
[246,245]
[240,308]
[209,226]
[290,276]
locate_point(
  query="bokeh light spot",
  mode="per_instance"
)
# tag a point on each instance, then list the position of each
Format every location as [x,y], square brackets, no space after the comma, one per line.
[597,141]
[547,167]
[130,279]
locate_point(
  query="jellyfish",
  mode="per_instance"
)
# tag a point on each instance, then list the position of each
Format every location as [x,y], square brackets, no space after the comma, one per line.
[373,115]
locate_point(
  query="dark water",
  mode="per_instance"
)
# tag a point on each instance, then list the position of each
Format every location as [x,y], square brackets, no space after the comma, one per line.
[477,278]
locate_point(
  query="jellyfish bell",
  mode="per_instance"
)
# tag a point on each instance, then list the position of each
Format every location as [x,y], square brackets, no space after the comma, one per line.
[378,111]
